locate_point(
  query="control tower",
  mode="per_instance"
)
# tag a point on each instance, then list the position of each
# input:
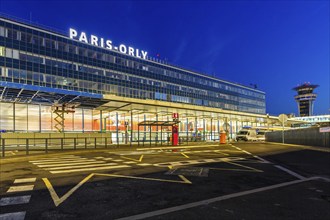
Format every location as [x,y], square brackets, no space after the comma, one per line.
[305,99]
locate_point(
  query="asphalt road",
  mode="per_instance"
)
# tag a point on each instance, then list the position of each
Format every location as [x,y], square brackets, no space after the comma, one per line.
[209,181]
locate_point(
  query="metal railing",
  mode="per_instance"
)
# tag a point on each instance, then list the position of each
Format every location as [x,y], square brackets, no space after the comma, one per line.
[47,144]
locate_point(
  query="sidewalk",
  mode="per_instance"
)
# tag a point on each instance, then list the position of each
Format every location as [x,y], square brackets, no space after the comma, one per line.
[20,155]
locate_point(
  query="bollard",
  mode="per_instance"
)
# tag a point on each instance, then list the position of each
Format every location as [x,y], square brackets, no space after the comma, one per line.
[61,143]
[95,143]
[85,143]
[46,145]
[27,146]
[74,143]
[106,142]
[3,147]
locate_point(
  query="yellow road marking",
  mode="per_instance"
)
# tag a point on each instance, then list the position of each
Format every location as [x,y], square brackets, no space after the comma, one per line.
[185,181]
[176,147]
[57,200]
[53,194]
[128,158]
[185,155]
[170,167]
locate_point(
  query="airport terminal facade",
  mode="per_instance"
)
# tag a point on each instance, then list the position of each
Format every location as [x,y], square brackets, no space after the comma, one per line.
[75,82]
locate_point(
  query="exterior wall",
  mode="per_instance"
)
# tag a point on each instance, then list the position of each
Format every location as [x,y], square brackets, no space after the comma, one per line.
[31,118]
[33,56]
[43,59]
[305,136]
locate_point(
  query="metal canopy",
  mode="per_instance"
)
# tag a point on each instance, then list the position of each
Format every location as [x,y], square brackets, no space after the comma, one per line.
[20,93]
[158,123]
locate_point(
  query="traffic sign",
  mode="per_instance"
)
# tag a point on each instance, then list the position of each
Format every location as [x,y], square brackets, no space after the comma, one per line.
[324,129]
[283,118]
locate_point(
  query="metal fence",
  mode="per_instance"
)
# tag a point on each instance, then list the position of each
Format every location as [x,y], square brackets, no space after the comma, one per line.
[303,136]
[52,141]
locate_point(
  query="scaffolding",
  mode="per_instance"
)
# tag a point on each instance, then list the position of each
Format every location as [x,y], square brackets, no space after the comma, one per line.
[60,110]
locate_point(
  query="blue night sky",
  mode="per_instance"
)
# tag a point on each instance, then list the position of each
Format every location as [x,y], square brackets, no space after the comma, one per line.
[274,44]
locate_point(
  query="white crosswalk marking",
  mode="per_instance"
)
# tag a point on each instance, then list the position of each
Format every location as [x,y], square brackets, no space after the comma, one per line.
[107,158]
[63,161]
[70,164]
[20,188]
[89,169]
[15,200]
[13,216]
[130,162]
[54,160]
[191,162]
[79,166]
[144,164]
[26,180]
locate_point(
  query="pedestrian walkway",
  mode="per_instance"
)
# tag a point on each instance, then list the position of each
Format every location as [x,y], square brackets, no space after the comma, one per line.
[19,186]
[72,163]
[195,162]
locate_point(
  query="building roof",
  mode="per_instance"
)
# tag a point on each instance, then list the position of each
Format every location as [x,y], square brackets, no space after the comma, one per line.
[305,85]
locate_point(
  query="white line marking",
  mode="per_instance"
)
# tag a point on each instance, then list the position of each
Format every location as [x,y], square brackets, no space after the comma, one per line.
[14,200]
[178,147]
[89,169]
[71,164]
[212,200]
[262,159]
[109,158]
[325,179]
[290,172]
[54,159]
[64,161]
[246,152]
[190,162]
[130,162]
[81,166]
[26,180]
[144,164]
[20,188]
[13,216]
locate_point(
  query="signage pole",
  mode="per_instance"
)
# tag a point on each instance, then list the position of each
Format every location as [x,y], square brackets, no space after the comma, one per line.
[283,132]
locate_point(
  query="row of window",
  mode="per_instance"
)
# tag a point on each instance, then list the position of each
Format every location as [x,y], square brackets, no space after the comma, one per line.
[40,79]
[28,117]
[125,77]
[113,58]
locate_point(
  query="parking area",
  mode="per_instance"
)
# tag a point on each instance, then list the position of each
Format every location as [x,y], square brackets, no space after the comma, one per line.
[241,180]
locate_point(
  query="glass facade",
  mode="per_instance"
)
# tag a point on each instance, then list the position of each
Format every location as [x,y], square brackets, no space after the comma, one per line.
[42,59]
[33,56]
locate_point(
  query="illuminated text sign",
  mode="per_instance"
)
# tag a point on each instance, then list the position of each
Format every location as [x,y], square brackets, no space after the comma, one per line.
[105,43]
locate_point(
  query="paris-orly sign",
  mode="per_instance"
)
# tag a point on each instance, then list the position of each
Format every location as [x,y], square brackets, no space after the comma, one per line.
[106,43]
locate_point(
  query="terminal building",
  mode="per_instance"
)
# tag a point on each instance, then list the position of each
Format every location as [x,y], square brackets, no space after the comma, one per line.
[76,82]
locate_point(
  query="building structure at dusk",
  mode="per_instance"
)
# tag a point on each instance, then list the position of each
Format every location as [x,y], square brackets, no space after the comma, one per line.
[305,99]
[76,82]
